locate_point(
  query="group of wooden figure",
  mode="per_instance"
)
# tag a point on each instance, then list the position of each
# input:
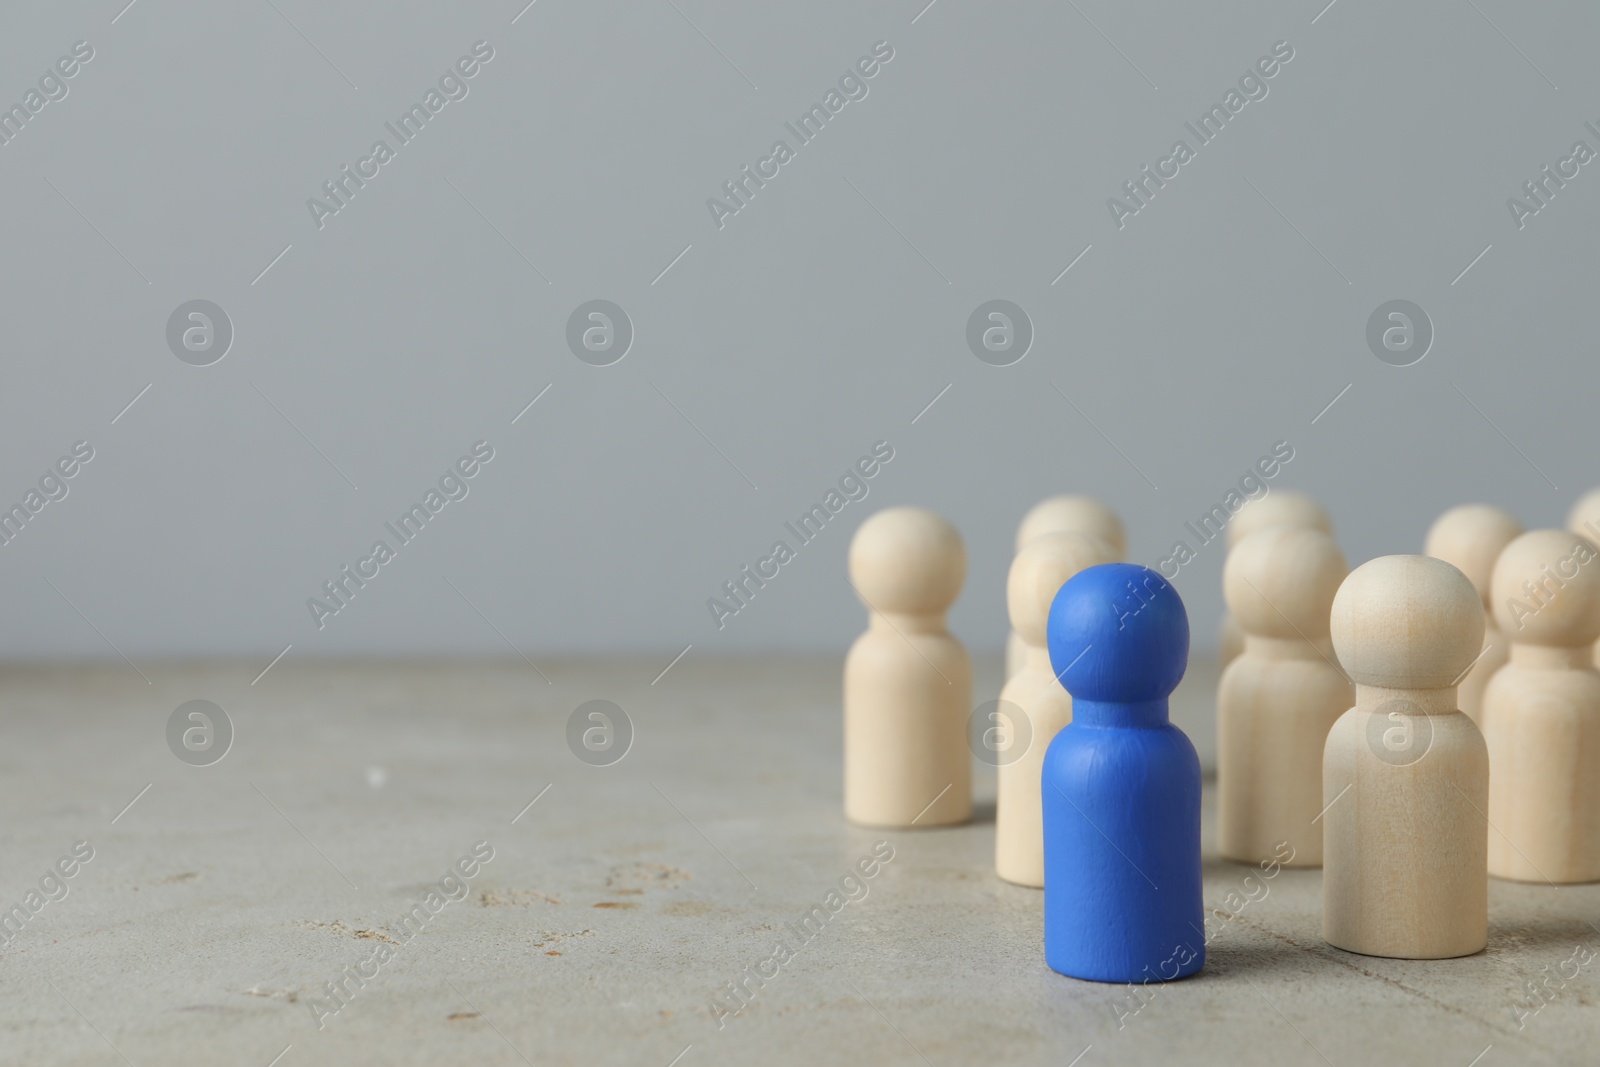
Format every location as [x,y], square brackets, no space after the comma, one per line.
[1412,726]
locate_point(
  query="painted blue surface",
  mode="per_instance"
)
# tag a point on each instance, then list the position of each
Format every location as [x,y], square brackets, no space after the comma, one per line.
[1121,785]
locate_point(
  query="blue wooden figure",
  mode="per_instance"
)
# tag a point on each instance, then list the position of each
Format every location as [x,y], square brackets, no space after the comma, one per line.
[1121,785]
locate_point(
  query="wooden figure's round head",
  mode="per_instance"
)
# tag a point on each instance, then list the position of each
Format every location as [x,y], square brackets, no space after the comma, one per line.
[1280,582]
[1407,622]
[1073,514]
[1040,570]
[1547,589]
[1470,538]
[908,561]
[1280,507]
[1118,633]
[1584,513]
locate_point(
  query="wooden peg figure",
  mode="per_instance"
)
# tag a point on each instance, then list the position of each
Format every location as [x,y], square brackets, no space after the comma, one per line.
[1065,514]
[1470,538]
[1121,786]
[1278,700]
[1405,775]
[907,681]
[1585,519]
[1541,712]
[1281,507]
[1035,696]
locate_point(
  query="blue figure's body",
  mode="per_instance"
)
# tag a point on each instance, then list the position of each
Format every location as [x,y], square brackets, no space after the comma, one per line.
[1121,786]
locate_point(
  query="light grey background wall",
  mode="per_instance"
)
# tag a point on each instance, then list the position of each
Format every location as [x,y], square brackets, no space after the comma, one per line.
[775,350]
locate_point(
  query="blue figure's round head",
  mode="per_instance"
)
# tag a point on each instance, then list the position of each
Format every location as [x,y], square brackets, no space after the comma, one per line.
[1118,634]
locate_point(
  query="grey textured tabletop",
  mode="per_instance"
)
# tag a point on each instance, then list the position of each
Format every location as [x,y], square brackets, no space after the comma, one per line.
[614,912]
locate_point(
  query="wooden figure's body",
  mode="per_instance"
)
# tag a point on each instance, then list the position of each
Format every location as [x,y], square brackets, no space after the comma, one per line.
[1121,786]
[1278,700]
[1230,639]
[1496,654]
[1405,864]
[1541,712]
[1064,514]
[1037,574]
[1285,507]
[1405,775]
[1280,705]
[1470,538]
[907,680]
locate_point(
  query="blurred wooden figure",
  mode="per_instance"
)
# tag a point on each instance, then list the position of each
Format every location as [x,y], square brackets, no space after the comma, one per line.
[1065,514]
[907,681]
[1405,775]
[1033,700]
[1278,700]
[1585,519]
[1283,507]
[1470,538]
[1541,712]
